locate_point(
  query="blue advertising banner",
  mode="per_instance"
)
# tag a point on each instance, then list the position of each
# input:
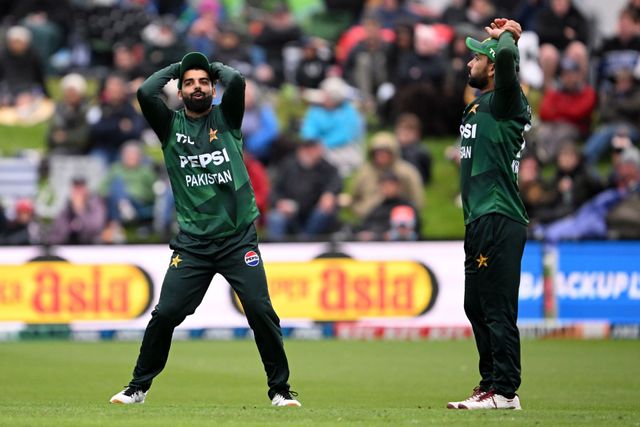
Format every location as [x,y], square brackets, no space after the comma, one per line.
[593,281]
[599,280]
[531,285]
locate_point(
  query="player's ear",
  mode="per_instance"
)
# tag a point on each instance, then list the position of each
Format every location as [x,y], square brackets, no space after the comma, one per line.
[180,95]
[491,69]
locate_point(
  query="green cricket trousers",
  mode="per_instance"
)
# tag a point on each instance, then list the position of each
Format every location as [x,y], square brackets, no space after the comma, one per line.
[493,246]
[193,264]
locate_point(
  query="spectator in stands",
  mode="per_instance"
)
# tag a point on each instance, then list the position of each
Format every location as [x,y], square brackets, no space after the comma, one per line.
[619,115]
[526,13]
[21,70]
[535,192]
[260,124]
[304,197]
[232,49]
[565,111]
[420,79]
[334,120]
[401,46]
[394,218]
[623,220]
[279,29]
[366,65]
[82,219]
[562,30]
[128,188]
[590,221]
[68,132]
[622,50]
[390,12]
[470,15]
[573,184]
[260,183]
[114,120]
[313,67]
[408,131]
[127,62]
[49,22]
[384,156]
[202,33]
[162,43]
[23,230]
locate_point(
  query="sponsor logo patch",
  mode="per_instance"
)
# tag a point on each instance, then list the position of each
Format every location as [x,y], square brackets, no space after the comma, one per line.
[251,259]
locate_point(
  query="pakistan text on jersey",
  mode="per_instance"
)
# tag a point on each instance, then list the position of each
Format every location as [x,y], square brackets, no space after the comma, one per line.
[198,180]
[217,157]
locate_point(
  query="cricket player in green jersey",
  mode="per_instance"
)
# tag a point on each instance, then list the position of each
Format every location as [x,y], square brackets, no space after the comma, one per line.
[492,141]
[216,209]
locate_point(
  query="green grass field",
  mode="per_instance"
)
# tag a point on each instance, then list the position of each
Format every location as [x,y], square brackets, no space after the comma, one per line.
[581,383]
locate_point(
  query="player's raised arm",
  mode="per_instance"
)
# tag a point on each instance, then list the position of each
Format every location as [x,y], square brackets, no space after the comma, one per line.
[507,85]
[153,107]
[232,104]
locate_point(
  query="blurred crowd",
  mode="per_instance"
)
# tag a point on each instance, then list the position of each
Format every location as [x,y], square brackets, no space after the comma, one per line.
[341,99]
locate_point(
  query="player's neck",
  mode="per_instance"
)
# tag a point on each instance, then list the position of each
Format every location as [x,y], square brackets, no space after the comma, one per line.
[194,115]
[489,87]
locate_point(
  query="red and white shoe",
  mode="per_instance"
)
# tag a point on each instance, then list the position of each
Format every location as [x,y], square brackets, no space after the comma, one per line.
[491,400]
[477,392]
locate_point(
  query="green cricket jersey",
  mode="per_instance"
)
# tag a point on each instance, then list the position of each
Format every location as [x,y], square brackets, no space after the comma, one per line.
[492,141]
[211,187]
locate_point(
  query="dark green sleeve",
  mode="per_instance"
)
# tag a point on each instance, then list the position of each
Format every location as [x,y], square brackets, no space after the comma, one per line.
[232,104]
[153,107]
[507,99]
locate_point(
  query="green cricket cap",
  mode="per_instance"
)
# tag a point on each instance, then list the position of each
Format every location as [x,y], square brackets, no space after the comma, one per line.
[193,60]
[486,47]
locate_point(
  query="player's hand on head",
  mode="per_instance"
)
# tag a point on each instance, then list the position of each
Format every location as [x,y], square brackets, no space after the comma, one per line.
[500,25]
[514,28]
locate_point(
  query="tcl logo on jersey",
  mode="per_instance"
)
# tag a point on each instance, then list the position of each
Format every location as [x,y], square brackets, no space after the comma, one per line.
[217,157]
[251,259]
[468,130]
[185,139]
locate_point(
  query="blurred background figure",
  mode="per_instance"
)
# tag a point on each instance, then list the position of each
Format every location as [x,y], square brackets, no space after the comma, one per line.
[128,189]
[260,124]
[304,196]
[590,221]
[261,184]
[202,33]
[68,129]
[394,218]
[366,66]
[408,132]
[384,157]
[563,31]
[333,119]
[114,120]
[272,33]
[21,69]
[566,111]
[23,229]
[573,184]
[82,219]
[619,114]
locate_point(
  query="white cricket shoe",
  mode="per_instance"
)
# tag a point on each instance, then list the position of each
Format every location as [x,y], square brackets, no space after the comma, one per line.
[477,392]
[129,395]
[285,398]
[491,400]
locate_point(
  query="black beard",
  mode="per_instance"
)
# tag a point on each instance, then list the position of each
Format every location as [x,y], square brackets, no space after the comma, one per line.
[479,82]
[198,105]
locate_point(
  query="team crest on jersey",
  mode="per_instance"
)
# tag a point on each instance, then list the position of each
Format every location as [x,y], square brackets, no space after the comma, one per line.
[251,259]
